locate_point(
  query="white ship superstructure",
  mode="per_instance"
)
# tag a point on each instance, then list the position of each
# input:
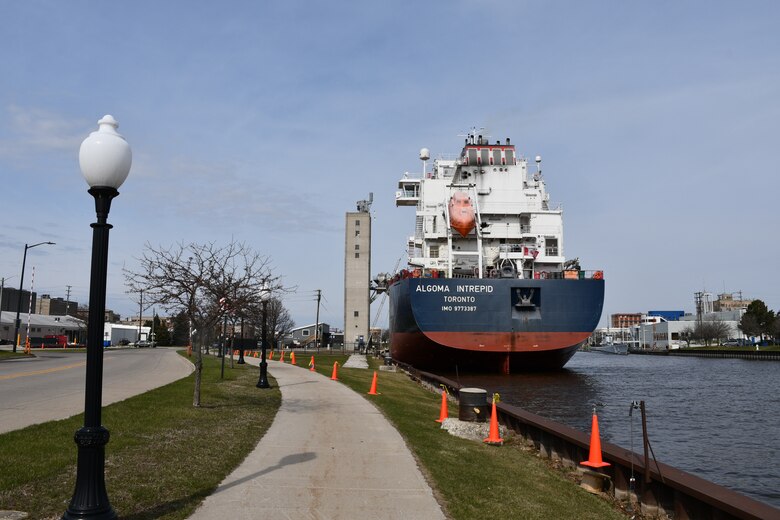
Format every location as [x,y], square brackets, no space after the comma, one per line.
[515,232]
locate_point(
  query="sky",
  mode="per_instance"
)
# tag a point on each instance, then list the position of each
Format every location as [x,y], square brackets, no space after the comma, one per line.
[264,122]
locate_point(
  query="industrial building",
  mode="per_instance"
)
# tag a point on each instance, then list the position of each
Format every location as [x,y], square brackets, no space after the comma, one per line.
[671,329]
[357,275]
[40,326]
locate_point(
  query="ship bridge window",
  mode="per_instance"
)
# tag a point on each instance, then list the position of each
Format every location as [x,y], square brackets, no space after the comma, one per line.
[484,155]
[433,252]
[472,156]
[510,156]
[497,156]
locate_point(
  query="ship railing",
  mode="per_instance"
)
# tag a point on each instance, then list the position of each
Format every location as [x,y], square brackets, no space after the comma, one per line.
[490,272]
[518,207]
[569,274]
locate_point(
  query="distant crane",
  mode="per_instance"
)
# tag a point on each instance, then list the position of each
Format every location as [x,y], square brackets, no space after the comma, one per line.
[384,297]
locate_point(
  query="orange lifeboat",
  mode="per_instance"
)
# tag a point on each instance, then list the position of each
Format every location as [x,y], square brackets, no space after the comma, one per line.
[462,218]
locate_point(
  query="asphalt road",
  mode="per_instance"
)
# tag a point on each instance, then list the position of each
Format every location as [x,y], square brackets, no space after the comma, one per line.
[51,386]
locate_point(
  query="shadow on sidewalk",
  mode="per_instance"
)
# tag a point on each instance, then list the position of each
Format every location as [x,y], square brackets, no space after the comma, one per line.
[287,460]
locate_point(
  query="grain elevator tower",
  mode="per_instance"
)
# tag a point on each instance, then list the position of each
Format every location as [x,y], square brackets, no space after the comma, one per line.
[357,269]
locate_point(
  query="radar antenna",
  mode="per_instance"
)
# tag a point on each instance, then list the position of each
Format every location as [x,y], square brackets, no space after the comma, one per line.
[364,206]
[476,135]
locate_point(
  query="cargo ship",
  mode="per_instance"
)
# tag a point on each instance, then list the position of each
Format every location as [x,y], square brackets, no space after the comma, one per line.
[487,286]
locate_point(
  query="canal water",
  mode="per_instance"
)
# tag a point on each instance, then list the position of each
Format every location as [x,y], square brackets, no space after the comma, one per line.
[718,419]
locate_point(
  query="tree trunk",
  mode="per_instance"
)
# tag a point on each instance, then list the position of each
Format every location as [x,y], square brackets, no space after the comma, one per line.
[198,371]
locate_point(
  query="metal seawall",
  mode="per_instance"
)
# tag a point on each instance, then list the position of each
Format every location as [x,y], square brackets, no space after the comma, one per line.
[658,489]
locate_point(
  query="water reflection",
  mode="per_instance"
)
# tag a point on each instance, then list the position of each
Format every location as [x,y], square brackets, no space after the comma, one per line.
[544,393]
[717,418]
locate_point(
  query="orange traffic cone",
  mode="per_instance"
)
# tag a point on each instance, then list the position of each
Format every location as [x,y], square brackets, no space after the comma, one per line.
[594,457]
[493,437]
[292,358]
[311,365]
[443,414]
[271,356]
[281,358]
[335,375]
[373,386]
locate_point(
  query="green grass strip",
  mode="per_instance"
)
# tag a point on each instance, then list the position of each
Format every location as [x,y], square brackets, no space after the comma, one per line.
[164,456]
[8,354]
[472,480]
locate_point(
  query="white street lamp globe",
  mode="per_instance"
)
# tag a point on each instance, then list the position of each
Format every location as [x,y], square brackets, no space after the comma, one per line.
[105,156]
[265,292]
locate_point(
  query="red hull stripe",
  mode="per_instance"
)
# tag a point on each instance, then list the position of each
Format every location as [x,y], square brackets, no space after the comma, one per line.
[507,341]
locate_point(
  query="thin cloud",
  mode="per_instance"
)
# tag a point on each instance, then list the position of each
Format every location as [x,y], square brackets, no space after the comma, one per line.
[37,129]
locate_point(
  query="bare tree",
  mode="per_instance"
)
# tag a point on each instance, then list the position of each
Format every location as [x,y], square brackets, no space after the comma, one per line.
[720,330]
[712,330]
[279,324]
[688,333]
[204,281]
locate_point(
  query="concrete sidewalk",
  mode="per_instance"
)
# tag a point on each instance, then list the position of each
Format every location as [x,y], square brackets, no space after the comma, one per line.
[329,454]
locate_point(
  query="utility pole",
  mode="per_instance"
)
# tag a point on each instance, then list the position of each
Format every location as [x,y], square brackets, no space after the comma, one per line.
[699,301]
[140,312]
[317,325]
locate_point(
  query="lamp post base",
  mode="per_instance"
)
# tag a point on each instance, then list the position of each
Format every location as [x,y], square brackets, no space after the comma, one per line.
[263,381]
[90,499]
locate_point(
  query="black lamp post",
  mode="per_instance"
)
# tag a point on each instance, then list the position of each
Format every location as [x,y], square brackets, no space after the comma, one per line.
[105,160]
[19,298]
[223,350]
[263,381]
[240,347]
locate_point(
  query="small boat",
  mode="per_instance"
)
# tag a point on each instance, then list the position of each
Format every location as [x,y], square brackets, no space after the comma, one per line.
[610,345]
[611,348]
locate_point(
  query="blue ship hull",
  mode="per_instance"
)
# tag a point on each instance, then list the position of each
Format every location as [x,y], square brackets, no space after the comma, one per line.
[496,325]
